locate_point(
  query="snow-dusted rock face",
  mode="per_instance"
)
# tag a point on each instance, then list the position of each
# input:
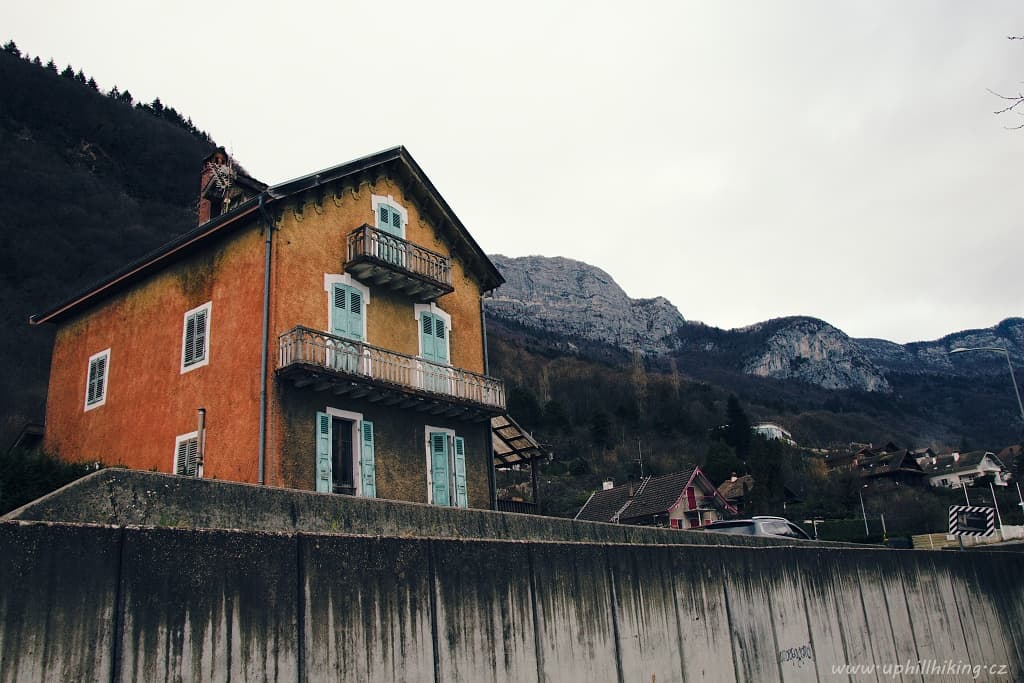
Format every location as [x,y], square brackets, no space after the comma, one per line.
[813,351]
[574,299]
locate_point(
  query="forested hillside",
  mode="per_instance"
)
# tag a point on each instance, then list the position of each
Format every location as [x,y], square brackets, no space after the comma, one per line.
[89,180]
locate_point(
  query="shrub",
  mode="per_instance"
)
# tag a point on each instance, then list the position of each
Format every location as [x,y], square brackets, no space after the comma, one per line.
[27,475]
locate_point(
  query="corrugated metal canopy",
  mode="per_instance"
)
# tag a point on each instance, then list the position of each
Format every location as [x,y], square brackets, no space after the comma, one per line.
[511,443]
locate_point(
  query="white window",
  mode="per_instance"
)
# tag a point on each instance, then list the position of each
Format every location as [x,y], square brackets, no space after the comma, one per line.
[195,338]
[96,380]
[186,455]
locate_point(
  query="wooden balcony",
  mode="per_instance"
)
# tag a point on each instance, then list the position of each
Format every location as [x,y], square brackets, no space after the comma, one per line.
[325,362]
[382,260]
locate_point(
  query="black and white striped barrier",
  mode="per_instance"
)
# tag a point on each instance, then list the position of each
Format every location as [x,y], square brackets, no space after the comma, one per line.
[971,520]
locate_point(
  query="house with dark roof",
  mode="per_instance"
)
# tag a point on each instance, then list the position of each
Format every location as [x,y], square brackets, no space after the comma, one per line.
[954,470]
[898,465]
[736,490]
[681,500]
[325,333]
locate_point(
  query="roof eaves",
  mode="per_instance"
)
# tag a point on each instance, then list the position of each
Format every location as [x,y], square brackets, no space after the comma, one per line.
[492,280]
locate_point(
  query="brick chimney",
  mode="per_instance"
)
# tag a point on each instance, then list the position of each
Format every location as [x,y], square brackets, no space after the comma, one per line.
[215,181]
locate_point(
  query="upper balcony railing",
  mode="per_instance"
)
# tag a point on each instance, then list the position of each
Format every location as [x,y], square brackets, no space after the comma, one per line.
[379,258]
[346,366]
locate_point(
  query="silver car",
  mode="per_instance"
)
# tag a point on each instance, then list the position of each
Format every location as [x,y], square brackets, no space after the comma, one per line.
[775,527]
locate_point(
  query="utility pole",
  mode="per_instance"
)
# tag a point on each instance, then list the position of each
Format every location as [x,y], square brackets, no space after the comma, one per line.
[863,512]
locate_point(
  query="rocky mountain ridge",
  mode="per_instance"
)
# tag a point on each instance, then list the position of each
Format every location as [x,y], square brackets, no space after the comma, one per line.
[575,300]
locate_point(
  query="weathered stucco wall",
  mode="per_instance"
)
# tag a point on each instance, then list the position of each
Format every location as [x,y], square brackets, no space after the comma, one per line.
[149,401]
[81,602]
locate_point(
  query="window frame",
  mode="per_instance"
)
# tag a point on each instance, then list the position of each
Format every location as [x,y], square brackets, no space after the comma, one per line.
[376,200]
[450,437]
[205,360]
[94,359]
[432,309]
[178,440]
[357,445]
[332,279]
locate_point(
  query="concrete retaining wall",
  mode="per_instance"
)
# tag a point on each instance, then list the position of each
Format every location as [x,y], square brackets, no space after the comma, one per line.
[84,602]
[120,497]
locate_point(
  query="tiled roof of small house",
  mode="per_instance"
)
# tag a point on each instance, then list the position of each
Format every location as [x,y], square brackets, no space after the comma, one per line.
[658,494]
[734,488]
[888,463]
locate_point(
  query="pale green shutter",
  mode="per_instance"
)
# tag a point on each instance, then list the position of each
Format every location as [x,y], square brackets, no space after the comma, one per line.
[427,336]
[347,312]
[324,475]
[389,220]
[439,468]
[355,314]
[440,344]
[432,335]
[367,464]
[461,495]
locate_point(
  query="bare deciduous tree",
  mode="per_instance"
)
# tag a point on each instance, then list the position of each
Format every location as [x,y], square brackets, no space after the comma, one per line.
[1015,103]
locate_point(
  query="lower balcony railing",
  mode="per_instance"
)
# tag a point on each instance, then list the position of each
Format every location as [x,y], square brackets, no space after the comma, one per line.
[350,360]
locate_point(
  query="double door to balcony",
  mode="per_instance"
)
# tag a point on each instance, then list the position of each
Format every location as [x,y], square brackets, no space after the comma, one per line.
[390,246]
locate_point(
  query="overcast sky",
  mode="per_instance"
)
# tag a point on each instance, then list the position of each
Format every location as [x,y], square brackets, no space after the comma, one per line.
[746,160]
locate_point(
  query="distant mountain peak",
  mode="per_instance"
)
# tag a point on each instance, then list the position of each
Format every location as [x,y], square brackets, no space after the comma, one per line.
[566,298]
[574,299]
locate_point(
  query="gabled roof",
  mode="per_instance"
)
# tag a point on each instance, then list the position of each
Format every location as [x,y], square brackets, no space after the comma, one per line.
[949,463]
[889,463]
[398,158]
[651,496]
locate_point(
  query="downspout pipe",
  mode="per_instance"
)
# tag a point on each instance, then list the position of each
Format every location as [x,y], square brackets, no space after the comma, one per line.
[492,484]
[265,341]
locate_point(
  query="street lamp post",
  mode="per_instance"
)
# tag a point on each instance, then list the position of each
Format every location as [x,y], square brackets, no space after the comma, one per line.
[998,349]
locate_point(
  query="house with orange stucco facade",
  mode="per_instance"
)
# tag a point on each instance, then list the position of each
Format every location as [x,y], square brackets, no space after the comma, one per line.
[326,333]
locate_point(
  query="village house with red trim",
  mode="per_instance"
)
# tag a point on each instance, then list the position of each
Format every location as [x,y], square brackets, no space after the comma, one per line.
[681,500]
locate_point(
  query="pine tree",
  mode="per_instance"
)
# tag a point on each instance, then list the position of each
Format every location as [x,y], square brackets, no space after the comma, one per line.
[12,49]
